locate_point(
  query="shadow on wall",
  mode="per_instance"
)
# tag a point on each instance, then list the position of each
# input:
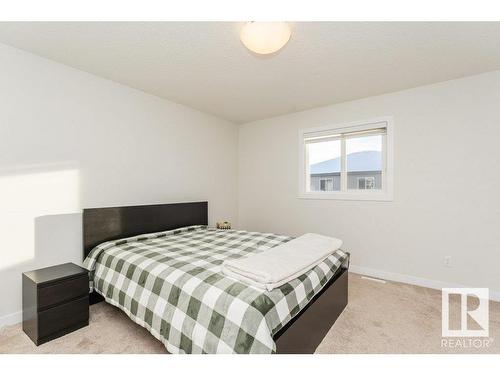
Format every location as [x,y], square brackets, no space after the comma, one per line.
[40,226]
[57,239]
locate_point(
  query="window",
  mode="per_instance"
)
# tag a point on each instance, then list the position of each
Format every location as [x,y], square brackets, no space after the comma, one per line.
[317,152]
[350,161]
[366,183]
[326,184]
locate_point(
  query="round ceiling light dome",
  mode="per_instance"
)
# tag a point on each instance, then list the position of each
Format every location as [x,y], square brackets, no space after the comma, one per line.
[265,37]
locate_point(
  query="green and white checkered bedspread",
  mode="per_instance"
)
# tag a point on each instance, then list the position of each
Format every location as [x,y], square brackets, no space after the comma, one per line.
[171,283]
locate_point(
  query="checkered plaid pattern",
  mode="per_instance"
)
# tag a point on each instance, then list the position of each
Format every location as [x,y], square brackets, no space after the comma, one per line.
[171,283]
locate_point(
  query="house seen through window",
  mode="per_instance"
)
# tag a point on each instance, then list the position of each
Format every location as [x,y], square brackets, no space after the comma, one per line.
[344,160]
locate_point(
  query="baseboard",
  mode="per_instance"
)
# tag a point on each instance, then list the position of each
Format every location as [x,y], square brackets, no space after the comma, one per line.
[10,319]
[413,280]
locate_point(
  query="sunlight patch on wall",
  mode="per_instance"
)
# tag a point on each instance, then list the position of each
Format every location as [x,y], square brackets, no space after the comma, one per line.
[26,194]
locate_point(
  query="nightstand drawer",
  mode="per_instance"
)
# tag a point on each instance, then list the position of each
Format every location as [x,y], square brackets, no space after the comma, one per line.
[63,317]
[62,291]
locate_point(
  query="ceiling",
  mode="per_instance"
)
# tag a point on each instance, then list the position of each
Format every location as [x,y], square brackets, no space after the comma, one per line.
[205,66]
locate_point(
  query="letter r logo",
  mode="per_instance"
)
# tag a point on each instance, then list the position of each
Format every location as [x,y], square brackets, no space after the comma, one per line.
[479,314]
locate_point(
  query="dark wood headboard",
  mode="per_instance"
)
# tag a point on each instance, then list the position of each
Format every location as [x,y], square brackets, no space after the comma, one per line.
[111,223]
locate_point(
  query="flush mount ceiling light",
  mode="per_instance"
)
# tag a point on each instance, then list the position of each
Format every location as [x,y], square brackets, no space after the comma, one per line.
[265,37]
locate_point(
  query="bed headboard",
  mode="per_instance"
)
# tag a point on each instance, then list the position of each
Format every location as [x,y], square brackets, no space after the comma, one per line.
[110,223]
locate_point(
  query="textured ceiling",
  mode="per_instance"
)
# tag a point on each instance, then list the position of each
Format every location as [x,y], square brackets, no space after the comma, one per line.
[205,66]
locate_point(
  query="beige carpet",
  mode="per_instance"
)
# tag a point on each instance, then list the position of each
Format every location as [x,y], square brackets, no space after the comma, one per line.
[380,318]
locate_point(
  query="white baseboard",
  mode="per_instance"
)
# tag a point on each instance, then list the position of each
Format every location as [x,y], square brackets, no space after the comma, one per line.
[413,280]
[10,319]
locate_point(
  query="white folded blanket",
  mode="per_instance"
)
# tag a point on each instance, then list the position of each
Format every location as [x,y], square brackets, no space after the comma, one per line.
[278,265]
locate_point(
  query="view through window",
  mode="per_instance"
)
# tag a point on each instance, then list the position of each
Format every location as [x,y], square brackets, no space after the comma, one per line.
[345,160]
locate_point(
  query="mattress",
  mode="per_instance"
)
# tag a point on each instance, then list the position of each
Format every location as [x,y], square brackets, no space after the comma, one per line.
[171,283]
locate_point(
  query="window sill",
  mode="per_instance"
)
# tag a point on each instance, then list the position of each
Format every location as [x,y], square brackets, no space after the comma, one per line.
[351,196]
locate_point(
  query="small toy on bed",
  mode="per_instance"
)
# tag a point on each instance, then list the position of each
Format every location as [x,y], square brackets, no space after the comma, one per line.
[223,225]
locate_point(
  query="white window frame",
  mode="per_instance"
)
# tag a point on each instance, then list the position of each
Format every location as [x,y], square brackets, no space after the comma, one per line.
[384,194]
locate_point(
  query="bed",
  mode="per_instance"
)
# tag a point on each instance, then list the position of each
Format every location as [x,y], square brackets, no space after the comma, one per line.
[160,264]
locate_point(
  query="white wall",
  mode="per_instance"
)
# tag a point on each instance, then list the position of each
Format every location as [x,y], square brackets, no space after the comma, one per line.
[446,186]
[70,140]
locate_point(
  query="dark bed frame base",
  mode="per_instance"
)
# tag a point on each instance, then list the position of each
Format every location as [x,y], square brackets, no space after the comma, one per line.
[301,335]
[308,328]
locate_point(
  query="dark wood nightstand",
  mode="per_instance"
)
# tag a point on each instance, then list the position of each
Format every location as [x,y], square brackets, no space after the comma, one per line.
[55,301]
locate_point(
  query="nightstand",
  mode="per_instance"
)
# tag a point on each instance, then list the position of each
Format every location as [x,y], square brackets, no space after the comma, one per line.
[55,301]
